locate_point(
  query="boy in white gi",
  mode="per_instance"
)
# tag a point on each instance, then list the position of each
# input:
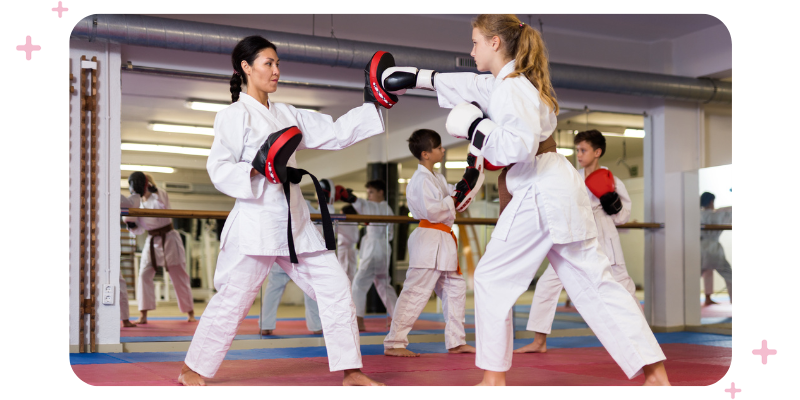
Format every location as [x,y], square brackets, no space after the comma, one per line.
[712,255]
[433,253]
[163,247]
[589,146]
[375,251]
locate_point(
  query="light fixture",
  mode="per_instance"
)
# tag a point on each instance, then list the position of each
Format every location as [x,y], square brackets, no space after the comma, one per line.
[637,133]
[306,109]
[174,128]
[147,168]
[452,165]
[159,148]
[401,180]
[203,105]
[564,151]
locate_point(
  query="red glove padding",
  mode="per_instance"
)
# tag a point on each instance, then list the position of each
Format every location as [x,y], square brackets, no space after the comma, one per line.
[601,184]
[373,80]
[344,194]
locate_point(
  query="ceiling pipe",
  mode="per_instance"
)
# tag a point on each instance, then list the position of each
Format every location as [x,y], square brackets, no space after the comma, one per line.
[140,30]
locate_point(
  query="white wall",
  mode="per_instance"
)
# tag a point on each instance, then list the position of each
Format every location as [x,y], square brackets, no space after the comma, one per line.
[718,143]
[108,235]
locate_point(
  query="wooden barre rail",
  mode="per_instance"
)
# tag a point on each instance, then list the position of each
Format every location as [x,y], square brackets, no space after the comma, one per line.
[142,212]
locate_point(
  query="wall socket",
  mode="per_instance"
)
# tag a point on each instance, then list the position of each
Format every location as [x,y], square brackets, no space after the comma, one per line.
[108,294]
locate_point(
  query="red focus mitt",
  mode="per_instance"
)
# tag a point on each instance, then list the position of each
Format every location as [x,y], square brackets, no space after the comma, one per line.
[273,155]
[373,80]
[601,184]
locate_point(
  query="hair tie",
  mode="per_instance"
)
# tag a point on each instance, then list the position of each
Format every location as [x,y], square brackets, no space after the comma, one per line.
[235,72]
[520,24]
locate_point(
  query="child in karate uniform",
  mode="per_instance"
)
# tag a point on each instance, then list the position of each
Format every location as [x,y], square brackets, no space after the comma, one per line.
[433,252]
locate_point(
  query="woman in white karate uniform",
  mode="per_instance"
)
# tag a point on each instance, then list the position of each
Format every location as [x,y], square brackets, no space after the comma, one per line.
[163,247]
[712,255]
[255,235]
[549,214]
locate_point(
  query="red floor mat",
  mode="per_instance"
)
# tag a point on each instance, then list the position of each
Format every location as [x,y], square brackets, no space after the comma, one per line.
[687,364]
[250,327]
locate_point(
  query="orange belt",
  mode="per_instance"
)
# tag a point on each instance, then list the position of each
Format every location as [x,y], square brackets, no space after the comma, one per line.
[424,223]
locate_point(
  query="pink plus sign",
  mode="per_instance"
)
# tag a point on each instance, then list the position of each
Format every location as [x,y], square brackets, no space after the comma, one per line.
[764,352]
[60,9]
[733,390]
[28,48]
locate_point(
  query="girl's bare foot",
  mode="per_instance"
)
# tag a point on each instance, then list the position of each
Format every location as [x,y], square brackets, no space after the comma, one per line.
[266,332]
[191,317]
[492,378]
[399,352]
[354,377]
[319,332]
[142,318]
[190,378]
[361,326]
[655,375]
[539,345]
[128,324]
[464,348]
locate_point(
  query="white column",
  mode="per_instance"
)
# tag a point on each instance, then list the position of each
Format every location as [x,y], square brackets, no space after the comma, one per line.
[108,155]
[672,157]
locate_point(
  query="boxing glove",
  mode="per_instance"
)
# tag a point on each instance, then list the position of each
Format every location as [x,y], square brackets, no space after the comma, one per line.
[373,82]
[345,195]
[601,184]
[397,79]
[131,225]
[274,154]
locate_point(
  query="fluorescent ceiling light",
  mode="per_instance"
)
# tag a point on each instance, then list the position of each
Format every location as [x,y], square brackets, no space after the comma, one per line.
[147,168]
[201,105]
[637,133]
[307,109]
[173,128]
[564,151]
[159,148]
[401,180]
[452,165]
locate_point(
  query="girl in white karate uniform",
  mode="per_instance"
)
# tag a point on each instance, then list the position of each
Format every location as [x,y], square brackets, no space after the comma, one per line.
[255,235]
[433,252]
[590,146]
[549,215]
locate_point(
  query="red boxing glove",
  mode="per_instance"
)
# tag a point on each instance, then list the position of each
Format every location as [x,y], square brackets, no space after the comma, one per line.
[344,194]
[601,184]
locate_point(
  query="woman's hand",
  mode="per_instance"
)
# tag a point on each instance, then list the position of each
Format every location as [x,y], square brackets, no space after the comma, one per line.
[253,172]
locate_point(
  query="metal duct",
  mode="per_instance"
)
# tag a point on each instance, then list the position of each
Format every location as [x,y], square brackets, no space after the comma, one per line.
[167,33]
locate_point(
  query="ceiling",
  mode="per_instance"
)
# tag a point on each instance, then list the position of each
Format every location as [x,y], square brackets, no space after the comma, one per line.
[147,98]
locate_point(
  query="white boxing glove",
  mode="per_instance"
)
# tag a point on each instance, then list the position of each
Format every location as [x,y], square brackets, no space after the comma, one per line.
[467,118]
[398,79]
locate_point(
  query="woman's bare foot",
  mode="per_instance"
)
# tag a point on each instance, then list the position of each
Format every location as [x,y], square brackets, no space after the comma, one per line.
[191,317]
[464,348]
[354,377]
[492,378]
[266,332]
[142,317]
[709,301]
[361,326]
[319,332]
[128,324]
[655,375]
[399,352]
[190,378]
[539,345]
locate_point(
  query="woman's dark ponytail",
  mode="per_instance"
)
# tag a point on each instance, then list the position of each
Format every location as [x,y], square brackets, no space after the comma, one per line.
[246,50]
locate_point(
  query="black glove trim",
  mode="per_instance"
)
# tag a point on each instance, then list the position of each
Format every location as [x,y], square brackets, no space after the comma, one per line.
[611,203]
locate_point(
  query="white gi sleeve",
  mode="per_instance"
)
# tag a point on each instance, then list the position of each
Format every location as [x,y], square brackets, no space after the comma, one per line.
[625,214]
[437,209]
[519,129]
[229,173]
[453,89]
[321,133]
[365,207]
[131,201]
